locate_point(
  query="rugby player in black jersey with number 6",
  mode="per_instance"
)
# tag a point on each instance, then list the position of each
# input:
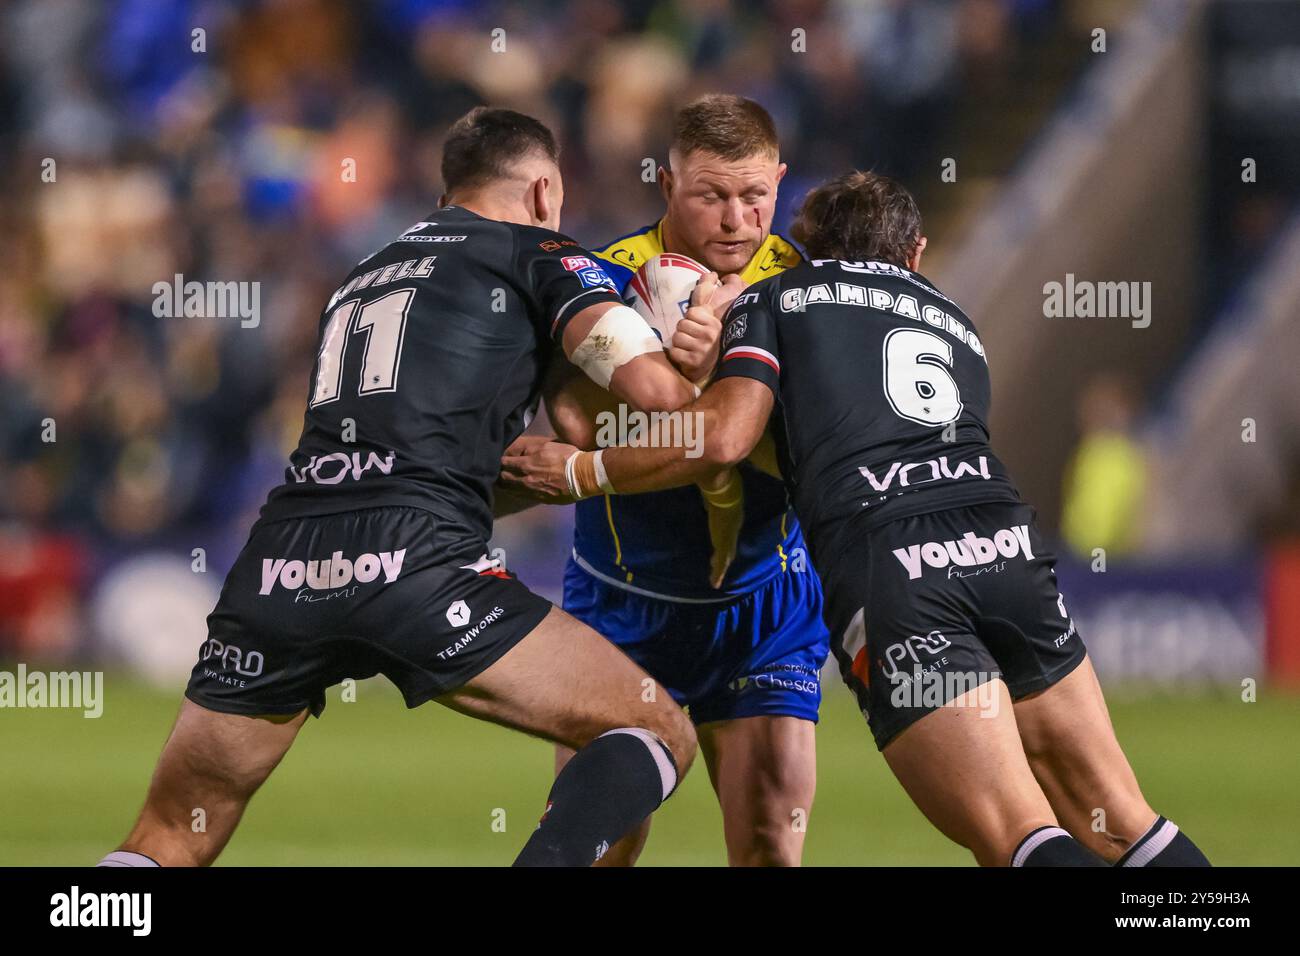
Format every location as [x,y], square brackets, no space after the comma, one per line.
[942,600]
[370,558]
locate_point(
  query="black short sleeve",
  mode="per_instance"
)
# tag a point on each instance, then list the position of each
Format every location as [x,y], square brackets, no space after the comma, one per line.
[749,347]
[561,277]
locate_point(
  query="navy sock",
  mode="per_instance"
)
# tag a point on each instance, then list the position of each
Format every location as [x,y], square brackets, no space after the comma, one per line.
[1052,846]
[1163,845]
[609,786]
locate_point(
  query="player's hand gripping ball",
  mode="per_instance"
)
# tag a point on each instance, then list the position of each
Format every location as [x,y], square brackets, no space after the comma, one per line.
[684,303]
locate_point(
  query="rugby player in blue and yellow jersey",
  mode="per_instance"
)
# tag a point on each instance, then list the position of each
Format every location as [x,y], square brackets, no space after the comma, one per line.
[744,657]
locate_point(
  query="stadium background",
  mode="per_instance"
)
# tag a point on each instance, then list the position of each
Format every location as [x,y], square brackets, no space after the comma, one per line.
[1170,157]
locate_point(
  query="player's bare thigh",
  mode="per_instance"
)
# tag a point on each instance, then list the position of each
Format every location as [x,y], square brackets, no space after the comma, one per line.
[764,770]
[211,765]
[1070,742]
[964,768]
[566,683]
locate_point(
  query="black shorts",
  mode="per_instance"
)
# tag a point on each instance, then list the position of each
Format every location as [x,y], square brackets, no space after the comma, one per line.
[923,609]
[313,601]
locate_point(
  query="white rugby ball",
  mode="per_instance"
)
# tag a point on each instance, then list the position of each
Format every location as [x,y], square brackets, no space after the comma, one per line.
[661,290]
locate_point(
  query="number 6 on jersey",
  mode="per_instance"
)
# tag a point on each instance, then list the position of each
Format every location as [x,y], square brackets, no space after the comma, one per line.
[917,383]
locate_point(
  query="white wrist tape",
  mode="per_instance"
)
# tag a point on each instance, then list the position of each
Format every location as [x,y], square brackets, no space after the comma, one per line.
[618,336]
[597,474]
[602,478]
[574,491]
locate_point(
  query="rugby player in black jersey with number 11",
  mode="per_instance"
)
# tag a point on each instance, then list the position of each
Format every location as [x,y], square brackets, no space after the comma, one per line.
[370,557]
[942,600]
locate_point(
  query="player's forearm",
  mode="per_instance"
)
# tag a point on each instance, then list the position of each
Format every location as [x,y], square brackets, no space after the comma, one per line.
[650,383]
[730,418]
[618,351]
[632,470]
[567,407]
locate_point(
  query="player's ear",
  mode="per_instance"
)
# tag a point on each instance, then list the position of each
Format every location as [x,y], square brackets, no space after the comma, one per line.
[442,201]
[665,182]
[915,262]
[780,172]
[541,200]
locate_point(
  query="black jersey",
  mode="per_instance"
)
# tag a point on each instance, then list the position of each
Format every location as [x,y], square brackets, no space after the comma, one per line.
[882,395]
[430,363]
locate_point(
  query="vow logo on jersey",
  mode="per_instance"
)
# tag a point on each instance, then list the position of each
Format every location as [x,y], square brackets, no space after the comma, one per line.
[926,472]
[331,573]
[970,550]
[331,469]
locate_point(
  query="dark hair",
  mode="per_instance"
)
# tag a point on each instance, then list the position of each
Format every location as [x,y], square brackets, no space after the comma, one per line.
[482,145]
[729,126]
[859,216]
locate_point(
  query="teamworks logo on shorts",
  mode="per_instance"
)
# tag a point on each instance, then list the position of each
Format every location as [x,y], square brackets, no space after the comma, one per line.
[970,550]
[332,573]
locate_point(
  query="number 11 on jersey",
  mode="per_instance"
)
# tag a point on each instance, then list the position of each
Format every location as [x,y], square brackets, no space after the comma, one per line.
[384,322]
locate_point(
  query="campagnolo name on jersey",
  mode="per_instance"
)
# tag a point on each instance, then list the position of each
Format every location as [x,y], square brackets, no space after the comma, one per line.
[869,297]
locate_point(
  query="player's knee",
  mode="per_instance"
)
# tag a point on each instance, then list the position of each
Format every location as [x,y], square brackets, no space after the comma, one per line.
[770,843]
[671,725]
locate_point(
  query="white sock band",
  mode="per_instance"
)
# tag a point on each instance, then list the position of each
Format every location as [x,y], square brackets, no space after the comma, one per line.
[1151,844]
[667,771]
[126,858]
[1034,841]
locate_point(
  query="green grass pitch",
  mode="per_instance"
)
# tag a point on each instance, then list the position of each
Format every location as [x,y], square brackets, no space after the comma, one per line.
[374,783]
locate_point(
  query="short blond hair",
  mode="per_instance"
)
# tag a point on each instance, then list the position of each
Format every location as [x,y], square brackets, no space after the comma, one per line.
[726,125]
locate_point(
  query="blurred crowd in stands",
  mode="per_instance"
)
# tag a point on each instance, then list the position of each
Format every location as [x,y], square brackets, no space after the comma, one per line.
[209,138]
